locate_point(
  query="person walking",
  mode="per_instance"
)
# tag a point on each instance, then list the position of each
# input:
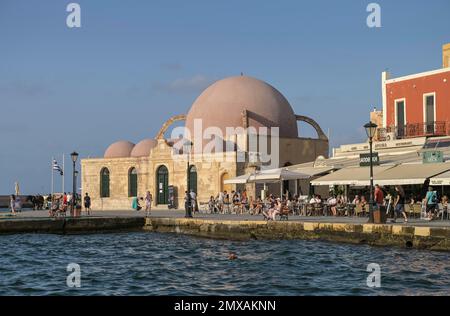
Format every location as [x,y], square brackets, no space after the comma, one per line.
[148,203]
[12,203]
[399,204]
[187,204]
[87,204]
[431,201]
[194,201]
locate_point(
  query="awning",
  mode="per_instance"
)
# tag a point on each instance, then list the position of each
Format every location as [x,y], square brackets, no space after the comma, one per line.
[410,173]
[238,180]
[354,176]
[442,179]
[312,171]
[276,175]
[269,175]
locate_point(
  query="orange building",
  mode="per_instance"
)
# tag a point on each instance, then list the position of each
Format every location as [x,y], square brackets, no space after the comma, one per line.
[417,105]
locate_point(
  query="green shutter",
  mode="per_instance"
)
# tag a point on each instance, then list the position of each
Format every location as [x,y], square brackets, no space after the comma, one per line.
[132,183]
[104,183]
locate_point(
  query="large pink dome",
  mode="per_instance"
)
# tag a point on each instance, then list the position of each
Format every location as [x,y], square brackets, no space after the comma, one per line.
[222,103]
[143,148]
[120,149]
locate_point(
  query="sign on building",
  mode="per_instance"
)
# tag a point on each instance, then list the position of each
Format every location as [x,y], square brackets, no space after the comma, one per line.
[364,160]
[433,157]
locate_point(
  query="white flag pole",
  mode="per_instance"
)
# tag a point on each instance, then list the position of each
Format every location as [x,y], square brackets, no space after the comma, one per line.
[52,175]
[64,174]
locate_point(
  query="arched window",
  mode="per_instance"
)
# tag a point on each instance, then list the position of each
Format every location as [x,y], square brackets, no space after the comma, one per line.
[193,178]
[162,185]
[104,183]
[132,183]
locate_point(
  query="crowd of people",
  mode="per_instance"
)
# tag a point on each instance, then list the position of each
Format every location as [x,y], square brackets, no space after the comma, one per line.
[394,202]
[59,204]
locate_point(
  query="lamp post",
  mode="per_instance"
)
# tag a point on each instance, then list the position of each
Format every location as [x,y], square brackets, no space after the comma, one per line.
[187,149]
[371,128]
[74,157]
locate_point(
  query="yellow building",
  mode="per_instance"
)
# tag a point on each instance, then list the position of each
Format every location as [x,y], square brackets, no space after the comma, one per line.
[249,108]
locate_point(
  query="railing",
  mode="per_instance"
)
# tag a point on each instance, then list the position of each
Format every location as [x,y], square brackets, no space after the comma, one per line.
[414,130]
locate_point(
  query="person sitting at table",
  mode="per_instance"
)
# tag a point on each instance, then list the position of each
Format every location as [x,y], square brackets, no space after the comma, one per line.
[235,197]
[290,205]
[356,200]
[332,203]
[363,201]
[212,205]
[340,206]
[314,200]
[273,212]
[226,197]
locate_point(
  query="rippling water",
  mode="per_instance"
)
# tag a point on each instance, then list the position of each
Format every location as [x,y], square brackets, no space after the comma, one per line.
[168,264]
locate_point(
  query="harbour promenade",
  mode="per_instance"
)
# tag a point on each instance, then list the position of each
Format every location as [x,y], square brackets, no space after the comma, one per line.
[420,234]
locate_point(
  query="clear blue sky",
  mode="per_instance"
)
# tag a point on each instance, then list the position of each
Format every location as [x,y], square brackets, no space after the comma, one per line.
[133,64]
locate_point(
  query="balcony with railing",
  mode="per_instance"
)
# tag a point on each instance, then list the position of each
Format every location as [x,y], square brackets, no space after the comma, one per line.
[440,128]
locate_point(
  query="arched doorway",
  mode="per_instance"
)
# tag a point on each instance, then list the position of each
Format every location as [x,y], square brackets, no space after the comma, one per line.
[162,185]
[193,178]
[223,186]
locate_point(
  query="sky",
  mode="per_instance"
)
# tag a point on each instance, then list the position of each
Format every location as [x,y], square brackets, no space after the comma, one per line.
[133,64]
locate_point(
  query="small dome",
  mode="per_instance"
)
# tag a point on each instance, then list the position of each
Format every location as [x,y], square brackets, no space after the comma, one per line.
[143,148]
[120,149]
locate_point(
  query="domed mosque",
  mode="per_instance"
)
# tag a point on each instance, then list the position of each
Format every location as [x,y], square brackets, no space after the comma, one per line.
[229,128]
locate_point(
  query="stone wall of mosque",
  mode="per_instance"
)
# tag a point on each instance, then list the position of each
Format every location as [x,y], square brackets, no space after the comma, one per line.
[212,170]
[210,174]
[119,169]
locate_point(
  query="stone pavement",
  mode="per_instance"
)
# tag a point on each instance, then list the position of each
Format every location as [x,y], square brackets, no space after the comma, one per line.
[161,213]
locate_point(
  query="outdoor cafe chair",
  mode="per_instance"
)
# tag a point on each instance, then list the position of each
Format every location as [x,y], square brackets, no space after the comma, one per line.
[350,209]
[359,210]
[309,210]
[340,210]
[318,209]
[441,211]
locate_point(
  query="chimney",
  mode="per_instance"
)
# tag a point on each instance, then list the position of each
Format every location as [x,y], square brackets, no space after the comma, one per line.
[446,55]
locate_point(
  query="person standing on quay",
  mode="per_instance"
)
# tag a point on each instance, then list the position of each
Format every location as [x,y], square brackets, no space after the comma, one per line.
[12,203]
[399,204]
[87,204]
[379,196]
[148,203]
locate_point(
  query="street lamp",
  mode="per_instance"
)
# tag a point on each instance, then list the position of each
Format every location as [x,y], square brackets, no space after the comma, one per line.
[371,128]
[187,147]
[74,157]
